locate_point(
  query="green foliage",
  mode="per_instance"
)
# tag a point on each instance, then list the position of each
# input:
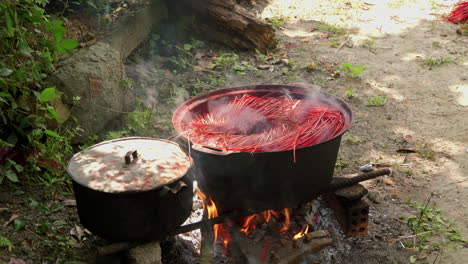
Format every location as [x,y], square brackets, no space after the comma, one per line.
[137,123]
[231,61]
[276,21]
[376,101]
[340,164]
[5,242]
[30,43]
[18,224]
[431,229]
[437,62]
[226,60]
[352,140]
[331,29]
[43,208]
[352,71]
[425,152]
[349,93]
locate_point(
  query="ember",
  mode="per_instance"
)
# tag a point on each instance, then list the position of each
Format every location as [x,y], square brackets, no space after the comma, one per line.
[249,123]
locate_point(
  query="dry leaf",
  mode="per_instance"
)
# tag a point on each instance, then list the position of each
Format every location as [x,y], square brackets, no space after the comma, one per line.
[16,261]
[3,209]
[12,218]
[69,202]
[422,255]
[77,232]
[265,66]
[387,181]
[205,63]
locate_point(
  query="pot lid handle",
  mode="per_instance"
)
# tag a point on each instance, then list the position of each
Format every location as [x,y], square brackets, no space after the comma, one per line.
[132,153]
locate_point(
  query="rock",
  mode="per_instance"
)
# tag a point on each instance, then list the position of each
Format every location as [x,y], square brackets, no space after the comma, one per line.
[387,181]
[374,197]
[422,255]
[146,254]
[93,74]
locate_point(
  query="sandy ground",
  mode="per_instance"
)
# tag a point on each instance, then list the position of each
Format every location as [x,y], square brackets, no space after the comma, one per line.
[426,105]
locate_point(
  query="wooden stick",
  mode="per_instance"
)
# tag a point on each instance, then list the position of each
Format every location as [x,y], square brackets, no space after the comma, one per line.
[313,246]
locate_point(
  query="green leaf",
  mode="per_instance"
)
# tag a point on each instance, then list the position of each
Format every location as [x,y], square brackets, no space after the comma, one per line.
[24,47]
[9,25]
[187,47]
[17,167]
[52,133]
[11,175]
[5,94]
[18,224]
[413,259]
[4,242]
[69,44]
[4,72]
[47,95]
[52,112]
[60,50]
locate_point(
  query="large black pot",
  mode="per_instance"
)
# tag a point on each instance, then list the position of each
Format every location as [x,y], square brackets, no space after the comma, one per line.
[262,180]
[132,215]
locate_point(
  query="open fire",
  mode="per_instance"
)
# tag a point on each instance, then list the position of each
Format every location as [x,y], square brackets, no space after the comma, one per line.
[249,223]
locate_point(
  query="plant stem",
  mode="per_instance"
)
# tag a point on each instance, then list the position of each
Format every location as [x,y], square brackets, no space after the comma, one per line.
[423,211]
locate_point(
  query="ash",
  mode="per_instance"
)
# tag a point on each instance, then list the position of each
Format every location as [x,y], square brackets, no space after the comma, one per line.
[196,216]
[185,248]
[320,217]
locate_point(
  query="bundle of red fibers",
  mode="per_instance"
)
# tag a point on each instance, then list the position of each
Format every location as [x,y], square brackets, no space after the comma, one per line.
[459,15]
[264,124]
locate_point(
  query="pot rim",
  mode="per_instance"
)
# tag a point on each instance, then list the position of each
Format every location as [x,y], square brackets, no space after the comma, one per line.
[176,179]
[188,105]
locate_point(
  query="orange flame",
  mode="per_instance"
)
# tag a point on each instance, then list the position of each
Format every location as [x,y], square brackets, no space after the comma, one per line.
[301,233]
[226,243]
[286,221]
[248,224]
[210,206]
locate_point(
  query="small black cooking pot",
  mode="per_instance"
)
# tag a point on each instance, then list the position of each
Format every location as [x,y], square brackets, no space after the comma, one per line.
[126,215]
[261,180]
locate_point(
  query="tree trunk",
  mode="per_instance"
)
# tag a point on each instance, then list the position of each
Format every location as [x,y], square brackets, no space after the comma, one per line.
[226,21]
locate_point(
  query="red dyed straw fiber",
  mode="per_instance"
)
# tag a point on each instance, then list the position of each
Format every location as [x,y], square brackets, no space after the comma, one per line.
[250,123]
[459,15]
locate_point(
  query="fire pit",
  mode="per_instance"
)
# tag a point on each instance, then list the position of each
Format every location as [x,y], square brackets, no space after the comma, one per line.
[260,155]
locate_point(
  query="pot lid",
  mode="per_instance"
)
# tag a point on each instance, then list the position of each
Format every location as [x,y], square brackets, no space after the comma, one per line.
[129,164]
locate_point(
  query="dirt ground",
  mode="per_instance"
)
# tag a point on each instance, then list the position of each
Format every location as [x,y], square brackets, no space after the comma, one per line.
[415,63]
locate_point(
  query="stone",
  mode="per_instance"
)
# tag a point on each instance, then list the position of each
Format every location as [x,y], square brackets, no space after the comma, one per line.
[149,253]
[93,74]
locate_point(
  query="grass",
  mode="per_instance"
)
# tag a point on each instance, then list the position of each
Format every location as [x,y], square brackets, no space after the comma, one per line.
[437,62]
[349,93]
[278,21]
[425,151]
[331,29]
[400,3]
[376,101]
[352,140]
[352,71]
[341,163]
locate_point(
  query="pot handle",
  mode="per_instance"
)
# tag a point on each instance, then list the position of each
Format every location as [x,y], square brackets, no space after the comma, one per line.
[132,153]
[174,190]
[213,151]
